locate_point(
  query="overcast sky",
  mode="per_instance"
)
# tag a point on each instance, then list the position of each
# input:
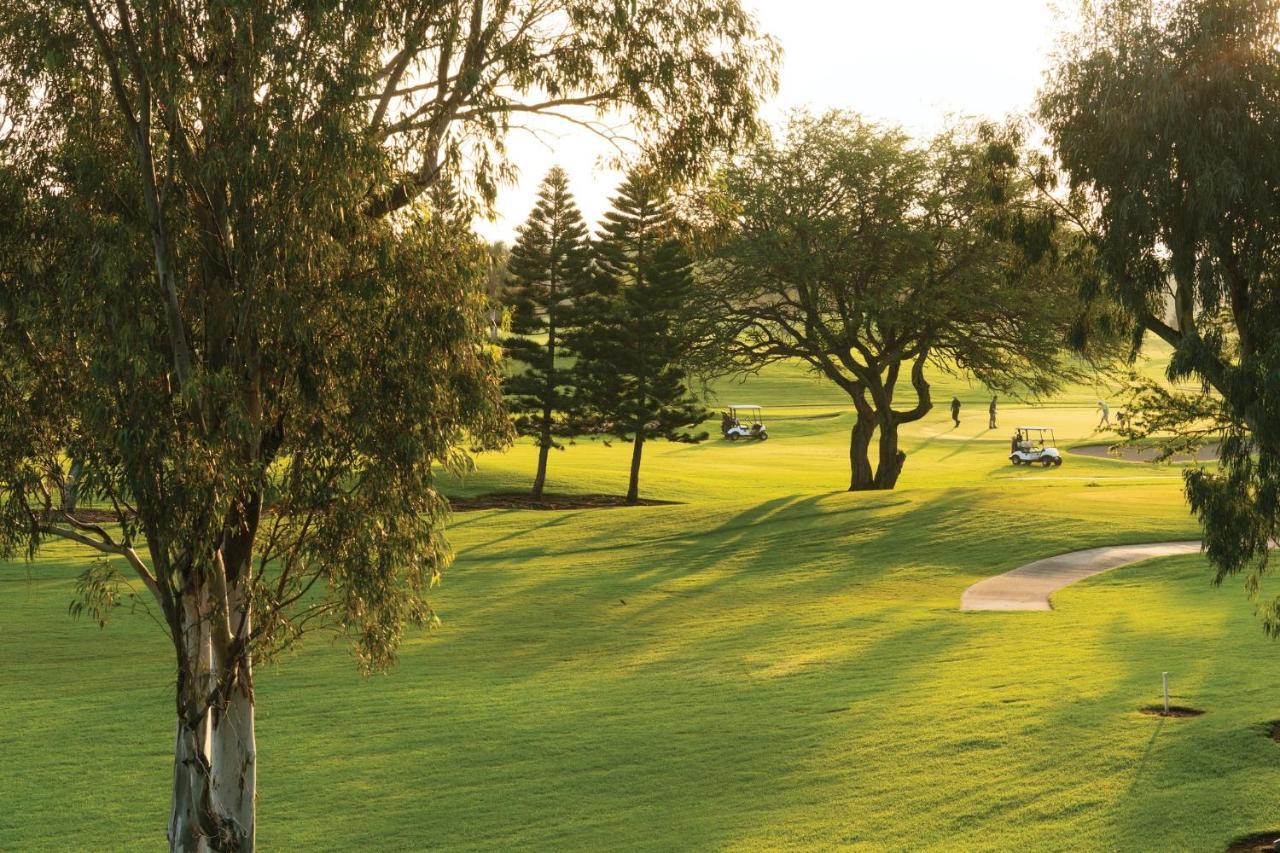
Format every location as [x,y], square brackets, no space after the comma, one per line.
[907,62]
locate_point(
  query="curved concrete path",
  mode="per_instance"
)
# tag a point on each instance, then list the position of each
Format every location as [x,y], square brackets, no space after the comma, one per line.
[1029,587]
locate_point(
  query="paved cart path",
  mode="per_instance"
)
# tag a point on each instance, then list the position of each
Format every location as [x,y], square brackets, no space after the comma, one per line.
[1029,587]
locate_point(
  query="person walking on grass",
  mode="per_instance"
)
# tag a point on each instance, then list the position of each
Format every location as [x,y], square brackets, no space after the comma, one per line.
[955,410]
[991,412]
[1105,411]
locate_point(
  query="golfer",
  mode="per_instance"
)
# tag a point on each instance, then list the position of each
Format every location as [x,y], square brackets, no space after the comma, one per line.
[1105,411]
[955,410]
[991,412]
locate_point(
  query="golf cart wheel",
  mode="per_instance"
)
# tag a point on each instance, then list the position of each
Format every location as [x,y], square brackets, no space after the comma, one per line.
[733,436]
[1047,462]
[1015,460]
[1057,463]
[764,436]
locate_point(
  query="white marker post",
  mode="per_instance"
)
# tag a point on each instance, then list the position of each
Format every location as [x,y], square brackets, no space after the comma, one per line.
[1165,678]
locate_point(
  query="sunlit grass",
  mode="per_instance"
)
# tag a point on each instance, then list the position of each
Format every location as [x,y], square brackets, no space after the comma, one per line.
[773,663]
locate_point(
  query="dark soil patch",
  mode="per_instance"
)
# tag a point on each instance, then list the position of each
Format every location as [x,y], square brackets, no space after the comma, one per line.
[521,500]
[495,500]
[1208,453]
[1272,730]
[1174,711]
[1257,841]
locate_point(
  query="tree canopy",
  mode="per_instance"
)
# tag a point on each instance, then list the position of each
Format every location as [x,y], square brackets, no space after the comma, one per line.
[240,286]
[847,246]
[1166,119]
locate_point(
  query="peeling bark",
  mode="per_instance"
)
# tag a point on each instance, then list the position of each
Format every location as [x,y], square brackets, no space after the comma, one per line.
[235,752]
[235,764]
[215,753]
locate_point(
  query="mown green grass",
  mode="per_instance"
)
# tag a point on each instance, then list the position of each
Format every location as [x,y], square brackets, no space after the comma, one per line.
[772,663]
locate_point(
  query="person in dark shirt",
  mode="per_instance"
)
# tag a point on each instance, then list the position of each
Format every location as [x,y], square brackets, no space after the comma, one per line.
[991,411]
[955,410]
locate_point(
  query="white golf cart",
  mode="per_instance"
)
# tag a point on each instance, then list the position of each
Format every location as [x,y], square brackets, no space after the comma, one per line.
[1032,445]
[743,420]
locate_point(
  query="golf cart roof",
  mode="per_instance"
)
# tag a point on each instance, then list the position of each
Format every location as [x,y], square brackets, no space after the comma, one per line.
[1036,429]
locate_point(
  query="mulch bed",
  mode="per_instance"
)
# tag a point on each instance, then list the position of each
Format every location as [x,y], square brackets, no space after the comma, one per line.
[1174,711]
[495,500]
[522,500]
[1208,453]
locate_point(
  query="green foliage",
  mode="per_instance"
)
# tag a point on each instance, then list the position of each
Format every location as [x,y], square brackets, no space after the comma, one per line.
[309,330]
[846,246]
[241,288]
[98,591]
[1185,196]
[635,339]
[549,268]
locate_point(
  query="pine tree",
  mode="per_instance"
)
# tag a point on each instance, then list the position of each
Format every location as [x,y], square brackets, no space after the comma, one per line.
[549,265]
[634,339]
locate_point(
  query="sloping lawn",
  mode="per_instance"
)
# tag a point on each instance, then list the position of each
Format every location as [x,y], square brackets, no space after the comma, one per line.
[772,663]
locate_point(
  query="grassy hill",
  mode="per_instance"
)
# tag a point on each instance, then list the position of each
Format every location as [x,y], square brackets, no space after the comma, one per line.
[770,663]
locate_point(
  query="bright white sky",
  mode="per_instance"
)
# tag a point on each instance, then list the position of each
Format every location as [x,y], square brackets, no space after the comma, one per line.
[905,62]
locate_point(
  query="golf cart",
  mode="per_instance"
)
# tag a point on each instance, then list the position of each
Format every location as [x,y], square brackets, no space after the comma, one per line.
[1033,445]
[743,421]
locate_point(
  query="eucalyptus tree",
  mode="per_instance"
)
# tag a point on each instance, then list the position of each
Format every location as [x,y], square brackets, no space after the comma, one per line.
[240,286]
[845,246]
[549,266]
[1166,119]
[637,334]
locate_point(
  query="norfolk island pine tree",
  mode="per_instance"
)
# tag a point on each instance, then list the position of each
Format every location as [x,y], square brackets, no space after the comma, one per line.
[549,265]
[635,337]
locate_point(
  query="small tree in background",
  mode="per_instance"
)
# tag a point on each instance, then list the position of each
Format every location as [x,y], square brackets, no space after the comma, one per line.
[495,285]
[549,265]
[636,341]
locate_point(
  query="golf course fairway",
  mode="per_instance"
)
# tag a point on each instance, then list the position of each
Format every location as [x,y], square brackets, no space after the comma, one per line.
[771,662]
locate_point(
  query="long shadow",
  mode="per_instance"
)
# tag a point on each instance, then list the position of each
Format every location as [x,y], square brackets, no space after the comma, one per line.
[1146,754]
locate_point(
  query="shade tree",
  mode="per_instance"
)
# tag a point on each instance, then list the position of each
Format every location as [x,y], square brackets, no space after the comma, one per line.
[846,246]
[1165,118]
[240,287]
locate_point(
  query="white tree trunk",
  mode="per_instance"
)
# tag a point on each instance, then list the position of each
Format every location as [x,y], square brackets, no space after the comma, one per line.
[235,752]
[192,745]
[184,830]
[215,758]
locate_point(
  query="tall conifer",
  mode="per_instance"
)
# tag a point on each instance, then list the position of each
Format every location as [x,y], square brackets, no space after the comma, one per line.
[634,339]
[548,267]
